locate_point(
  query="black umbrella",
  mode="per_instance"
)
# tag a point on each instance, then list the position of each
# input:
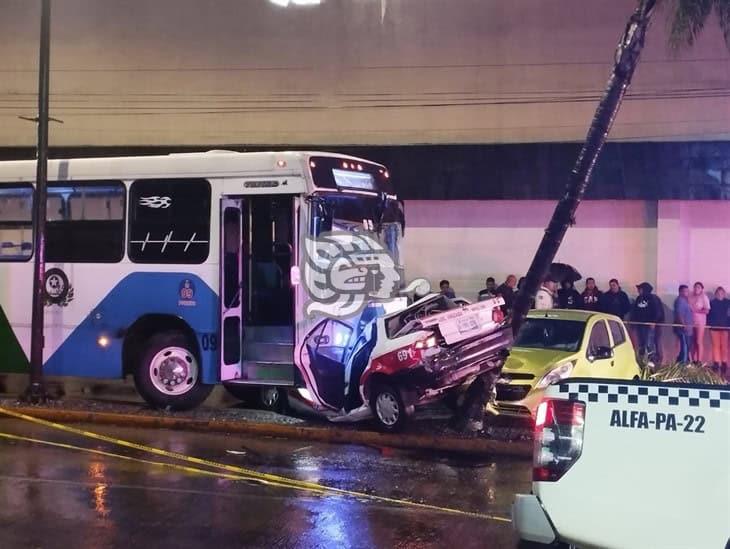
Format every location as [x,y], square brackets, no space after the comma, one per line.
[560,272]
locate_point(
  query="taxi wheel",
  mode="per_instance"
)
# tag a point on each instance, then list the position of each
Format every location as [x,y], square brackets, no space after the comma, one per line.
[388,408]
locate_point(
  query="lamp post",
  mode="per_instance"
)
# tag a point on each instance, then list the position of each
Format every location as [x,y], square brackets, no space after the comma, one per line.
[36,392]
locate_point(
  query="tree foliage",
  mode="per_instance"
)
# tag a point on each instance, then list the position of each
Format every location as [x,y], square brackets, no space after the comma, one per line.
[688,19]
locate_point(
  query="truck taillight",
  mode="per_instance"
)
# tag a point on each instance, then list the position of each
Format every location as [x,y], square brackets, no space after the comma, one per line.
[558,438]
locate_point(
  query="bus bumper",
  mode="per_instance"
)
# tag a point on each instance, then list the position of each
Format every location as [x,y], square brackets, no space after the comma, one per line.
[530,520]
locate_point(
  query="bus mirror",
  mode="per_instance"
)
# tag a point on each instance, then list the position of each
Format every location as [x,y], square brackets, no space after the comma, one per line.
[295,275]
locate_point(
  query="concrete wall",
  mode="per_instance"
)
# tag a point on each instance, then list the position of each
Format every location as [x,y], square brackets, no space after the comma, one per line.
[665,243]
[212,72]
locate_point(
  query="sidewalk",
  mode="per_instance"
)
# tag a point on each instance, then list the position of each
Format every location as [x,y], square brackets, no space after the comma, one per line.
[116,403]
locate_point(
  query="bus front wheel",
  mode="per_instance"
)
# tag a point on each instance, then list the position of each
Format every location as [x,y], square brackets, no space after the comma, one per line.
[169,376]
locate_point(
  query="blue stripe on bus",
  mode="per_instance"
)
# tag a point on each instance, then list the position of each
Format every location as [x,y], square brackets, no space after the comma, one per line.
[136,295]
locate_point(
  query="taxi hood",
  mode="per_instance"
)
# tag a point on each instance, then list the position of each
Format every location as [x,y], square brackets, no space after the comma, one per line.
[537,362]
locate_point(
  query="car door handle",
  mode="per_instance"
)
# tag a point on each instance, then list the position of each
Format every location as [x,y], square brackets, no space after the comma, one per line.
[612,363]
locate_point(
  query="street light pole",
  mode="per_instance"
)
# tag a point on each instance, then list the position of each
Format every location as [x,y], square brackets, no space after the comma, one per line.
[36,391]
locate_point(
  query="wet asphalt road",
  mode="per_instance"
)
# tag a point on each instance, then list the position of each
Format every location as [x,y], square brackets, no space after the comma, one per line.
[59,498]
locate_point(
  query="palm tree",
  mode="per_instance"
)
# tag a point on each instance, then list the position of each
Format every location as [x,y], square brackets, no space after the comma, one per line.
[688,19]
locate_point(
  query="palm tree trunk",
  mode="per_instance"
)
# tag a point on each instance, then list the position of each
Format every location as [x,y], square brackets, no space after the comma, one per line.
[626,59]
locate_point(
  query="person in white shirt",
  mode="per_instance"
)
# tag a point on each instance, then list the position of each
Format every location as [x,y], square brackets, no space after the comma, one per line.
[545,298]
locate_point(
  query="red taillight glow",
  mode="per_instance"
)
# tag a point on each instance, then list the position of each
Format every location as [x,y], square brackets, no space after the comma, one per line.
[408,356]
[498,315]
[426,343]
[558,438]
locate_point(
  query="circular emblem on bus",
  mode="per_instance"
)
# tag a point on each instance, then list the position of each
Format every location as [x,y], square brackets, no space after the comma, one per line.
[57,289]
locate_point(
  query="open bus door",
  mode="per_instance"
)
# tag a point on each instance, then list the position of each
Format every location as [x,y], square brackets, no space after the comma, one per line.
[258,243]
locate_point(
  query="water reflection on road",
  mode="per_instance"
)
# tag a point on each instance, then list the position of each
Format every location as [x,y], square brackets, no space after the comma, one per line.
[54,497]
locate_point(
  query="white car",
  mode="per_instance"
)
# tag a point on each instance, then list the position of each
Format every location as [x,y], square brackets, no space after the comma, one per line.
[629,464]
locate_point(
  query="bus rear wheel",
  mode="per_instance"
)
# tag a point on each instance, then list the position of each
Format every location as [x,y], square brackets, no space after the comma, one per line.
[168,375]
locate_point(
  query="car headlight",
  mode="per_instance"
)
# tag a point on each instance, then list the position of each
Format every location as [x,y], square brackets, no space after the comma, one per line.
[556,374]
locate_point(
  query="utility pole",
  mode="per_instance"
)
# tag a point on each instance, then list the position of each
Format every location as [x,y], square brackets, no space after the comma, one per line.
[36,392]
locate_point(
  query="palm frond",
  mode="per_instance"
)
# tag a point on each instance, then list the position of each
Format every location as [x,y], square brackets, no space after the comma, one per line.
[687,373]
[722,8]
[688,19]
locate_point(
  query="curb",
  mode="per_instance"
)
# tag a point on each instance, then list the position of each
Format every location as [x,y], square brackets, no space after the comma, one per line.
[474,447]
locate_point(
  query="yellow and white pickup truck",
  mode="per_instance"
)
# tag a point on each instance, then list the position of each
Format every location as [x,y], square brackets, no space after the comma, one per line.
[629,464]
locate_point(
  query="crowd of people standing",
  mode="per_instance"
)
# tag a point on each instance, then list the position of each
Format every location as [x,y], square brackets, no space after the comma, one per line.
[693,313]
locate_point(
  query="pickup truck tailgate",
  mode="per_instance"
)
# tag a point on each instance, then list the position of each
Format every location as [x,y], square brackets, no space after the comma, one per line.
[653,468]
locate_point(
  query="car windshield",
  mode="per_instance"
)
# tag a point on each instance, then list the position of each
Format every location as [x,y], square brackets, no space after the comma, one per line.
[551,333]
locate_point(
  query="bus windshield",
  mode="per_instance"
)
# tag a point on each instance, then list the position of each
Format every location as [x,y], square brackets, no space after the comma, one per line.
[356,213]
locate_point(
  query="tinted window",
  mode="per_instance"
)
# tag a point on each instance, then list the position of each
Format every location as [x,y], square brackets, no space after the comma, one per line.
[16,222]
[169,221]
[550,333]
[599,338]
[617,332]
[85,222]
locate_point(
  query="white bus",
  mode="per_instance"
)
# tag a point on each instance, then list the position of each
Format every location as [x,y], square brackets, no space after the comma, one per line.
[180,270]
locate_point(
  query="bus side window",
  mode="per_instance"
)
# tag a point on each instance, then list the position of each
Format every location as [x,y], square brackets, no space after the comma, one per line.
[16,222]
[169,221]
[85,221]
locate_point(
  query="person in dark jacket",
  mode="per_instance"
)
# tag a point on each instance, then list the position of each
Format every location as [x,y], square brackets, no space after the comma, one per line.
[683,319]
[568,296]
[614,301]
[489,291]
[719,321]
[647,312]
[591,296]
[507,292]
[446,289]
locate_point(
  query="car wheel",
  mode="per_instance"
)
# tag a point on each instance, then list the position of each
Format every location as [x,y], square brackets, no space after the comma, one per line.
[453,400]
[273,399]
[168,375]
[388,408]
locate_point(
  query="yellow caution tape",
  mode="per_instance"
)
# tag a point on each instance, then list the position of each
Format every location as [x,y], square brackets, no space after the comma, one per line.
[175,466]
[241,473]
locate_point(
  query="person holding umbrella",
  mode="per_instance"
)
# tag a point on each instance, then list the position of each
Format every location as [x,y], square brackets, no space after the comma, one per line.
[568,296]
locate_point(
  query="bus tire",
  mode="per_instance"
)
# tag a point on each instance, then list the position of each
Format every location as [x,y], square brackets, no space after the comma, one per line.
[168,375]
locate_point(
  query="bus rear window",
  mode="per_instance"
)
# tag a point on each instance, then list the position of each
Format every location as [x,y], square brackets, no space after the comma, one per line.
[169,221]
